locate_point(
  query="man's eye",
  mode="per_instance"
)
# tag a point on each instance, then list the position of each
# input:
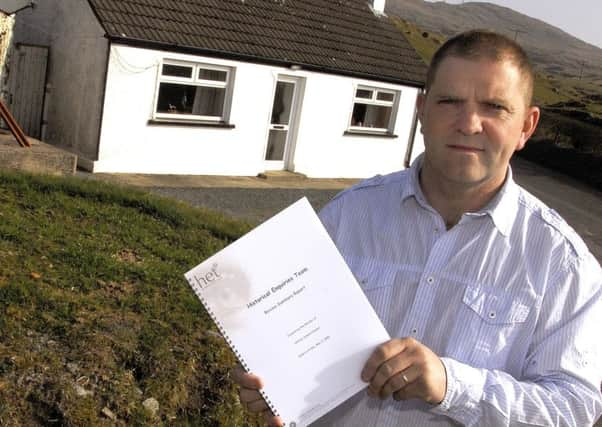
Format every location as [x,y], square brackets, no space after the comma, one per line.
[495,106]
[448,101]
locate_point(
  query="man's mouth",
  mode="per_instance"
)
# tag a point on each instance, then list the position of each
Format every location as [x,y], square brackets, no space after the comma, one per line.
[465,148]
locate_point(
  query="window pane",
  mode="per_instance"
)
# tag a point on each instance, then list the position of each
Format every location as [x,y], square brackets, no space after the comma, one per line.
[276,144]
[187,99]
[385,96]
[175,98]
[363,93]
[371,116]
[215,75]
[176,70]
[209,101]
[283,100]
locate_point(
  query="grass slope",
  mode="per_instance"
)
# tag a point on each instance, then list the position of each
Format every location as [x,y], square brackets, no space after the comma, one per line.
[95,316]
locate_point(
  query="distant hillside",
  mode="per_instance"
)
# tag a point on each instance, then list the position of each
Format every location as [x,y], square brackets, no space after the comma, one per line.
[551,49]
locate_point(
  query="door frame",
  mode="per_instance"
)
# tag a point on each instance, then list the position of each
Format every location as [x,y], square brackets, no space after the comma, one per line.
[287,163]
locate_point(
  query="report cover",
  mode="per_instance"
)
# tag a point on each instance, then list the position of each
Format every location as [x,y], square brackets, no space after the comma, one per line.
[293,313]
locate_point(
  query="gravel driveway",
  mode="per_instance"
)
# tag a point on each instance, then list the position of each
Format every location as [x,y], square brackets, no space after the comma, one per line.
[254,200]
[251,204]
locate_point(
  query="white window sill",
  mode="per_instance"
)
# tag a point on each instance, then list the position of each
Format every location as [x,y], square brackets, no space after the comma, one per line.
[352,132]
[193,123]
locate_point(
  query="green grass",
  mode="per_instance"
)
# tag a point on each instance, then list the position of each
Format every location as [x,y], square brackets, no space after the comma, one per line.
[424,42]
[93,299]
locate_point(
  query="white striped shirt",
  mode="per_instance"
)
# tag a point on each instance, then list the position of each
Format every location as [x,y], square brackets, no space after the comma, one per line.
[510,298]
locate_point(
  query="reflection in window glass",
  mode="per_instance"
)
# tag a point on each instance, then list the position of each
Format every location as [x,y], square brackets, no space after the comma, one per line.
[283,100]
[216,75]
[363,93]
[373,109]
[371,116]
[276,144]
[188,99]
[176,70]
[193,91]
[385,96]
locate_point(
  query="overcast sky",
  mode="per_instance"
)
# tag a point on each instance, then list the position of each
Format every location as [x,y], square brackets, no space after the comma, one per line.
[580,18]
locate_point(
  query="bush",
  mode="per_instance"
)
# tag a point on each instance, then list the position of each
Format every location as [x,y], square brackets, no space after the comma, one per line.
[586,167]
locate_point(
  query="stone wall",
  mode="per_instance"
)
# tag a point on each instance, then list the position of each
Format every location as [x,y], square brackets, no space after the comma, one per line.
[6,31]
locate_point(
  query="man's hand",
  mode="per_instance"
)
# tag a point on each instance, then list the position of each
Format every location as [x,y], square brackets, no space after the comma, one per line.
[406,369]
[251,398]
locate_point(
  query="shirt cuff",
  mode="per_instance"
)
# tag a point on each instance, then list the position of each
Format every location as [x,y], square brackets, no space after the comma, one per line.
[464,390]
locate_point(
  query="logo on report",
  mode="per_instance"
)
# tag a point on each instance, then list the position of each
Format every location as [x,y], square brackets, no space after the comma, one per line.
[206,279]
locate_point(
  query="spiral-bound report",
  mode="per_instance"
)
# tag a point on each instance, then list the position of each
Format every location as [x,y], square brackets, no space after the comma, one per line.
[292,312]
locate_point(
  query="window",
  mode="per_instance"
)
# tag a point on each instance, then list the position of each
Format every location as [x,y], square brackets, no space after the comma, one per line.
[374,110]
[193,91]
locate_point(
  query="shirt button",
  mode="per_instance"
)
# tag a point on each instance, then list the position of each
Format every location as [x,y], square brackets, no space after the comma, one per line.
[430,280]
[492,314]
[414,331]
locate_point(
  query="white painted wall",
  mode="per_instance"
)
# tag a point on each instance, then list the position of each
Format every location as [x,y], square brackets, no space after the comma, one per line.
[129,144]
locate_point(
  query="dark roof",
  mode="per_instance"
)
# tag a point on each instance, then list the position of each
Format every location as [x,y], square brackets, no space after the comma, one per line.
[336,36]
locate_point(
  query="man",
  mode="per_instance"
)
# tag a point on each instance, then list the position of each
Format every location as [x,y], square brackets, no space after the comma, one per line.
[497,298]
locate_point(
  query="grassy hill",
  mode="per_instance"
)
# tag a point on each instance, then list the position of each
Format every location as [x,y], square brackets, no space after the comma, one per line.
[553,50]
[96,319]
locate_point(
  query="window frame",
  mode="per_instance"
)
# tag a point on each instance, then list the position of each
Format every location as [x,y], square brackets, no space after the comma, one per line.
[373,100]
[195,81]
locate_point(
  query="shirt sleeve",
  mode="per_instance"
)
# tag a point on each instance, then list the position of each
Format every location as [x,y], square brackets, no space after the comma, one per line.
[330,217]
[562,372]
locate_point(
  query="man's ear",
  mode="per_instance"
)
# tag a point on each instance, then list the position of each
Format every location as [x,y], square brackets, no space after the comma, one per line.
[529,125]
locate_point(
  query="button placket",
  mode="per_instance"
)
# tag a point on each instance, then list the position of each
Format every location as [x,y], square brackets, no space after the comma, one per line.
[416,320]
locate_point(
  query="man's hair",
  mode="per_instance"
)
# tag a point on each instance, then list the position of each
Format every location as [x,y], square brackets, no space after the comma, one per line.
[484,44]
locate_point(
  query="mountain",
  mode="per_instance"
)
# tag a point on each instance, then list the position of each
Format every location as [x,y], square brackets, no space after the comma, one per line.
[551,49]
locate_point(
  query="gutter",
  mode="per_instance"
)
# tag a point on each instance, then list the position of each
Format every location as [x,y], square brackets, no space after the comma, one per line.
[408,157]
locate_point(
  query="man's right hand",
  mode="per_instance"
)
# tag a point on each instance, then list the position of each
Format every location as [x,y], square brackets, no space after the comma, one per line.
[251,398]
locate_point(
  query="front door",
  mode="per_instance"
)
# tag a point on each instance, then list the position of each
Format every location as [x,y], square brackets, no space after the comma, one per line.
[280,146]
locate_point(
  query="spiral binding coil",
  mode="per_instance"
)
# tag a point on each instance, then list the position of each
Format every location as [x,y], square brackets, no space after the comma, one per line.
[222,331]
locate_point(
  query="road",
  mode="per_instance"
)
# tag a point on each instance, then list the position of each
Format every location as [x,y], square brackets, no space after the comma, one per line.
[578,204]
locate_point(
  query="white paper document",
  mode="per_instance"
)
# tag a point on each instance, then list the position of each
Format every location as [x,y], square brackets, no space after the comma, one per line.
[293,313]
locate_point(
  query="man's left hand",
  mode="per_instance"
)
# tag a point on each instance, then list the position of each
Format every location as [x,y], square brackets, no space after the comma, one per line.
[405,369]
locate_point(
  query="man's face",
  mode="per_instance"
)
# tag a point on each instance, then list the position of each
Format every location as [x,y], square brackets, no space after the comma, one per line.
[474,116]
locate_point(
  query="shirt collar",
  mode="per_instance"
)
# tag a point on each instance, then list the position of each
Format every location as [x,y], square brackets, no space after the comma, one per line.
[501,209]
[504,206]
[413,189]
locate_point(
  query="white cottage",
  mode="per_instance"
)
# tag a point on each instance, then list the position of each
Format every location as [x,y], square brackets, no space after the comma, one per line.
[326,88]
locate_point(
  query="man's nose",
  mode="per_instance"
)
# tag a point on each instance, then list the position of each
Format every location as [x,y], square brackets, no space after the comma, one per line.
[469,120]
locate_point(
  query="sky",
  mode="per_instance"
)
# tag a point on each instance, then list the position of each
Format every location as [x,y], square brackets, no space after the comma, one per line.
[580,18]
